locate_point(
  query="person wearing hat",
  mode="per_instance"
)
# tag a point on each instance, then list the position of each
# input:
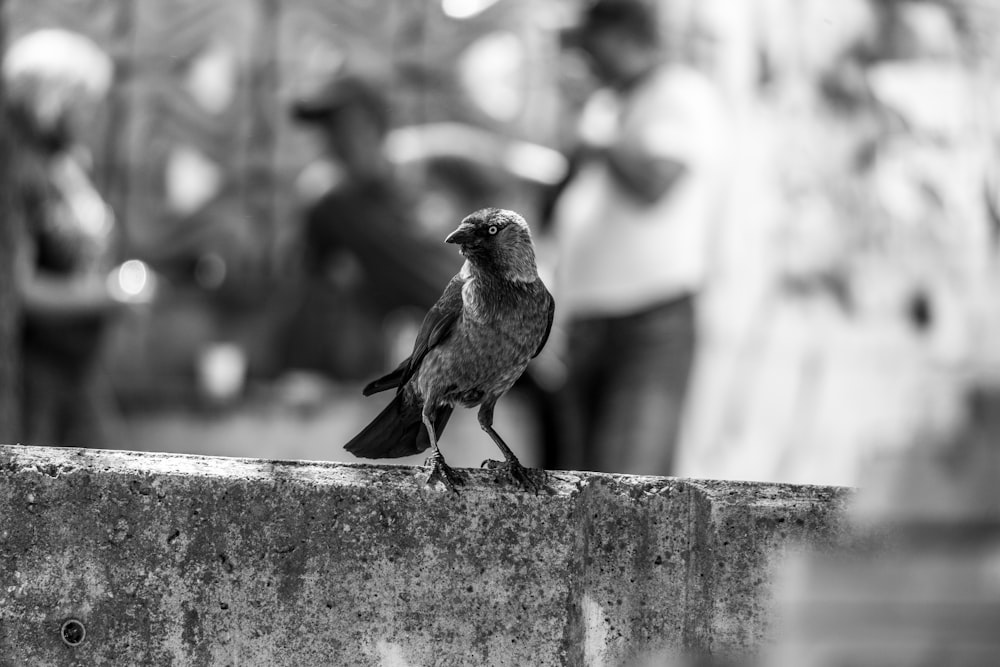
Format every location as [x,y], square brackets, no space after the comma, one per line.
[364,257]
[631,227]
[55,80]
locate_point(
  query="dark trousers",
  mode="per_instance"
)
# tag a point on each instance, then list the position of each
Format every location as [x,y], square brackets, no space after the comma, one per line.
[65,404]
[627,381]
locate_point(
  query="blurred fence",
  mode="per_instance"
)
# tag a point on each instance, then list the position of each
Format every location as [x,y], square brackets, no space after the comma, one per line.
[197,154]
[196,149]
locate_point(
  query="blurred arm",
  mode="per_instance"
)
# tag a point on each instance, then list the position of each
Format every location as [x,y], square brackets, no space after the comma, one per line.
[648,177]
[55,297]
[664,133]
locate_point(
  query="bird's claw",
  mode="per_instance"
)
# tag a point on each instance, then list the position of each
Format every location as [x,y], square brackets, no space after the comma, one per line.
[515,473]
[442,472]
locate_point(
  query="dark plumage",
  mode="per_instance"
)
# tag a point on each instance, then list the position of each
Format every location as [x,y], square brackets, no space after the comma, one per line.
[491,320]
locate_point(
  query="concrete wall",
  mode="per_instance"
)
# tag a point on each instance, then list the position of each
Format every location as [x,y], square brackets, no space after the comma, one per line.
[188,560]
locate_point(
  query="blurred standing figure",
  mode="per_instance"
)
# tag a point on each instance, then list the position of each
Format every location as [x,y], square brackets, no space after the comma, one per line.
[54,82]
[632,229]
[364,255]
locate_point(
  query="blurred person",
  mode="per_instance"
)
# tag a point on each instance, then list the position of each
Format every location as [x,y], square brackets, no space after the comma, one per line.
[353,202]
[54,81]
[632,228]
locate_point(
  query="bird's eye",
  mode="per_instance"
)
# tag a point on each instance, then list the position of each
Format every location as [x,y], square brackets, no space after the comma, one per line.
[492,230]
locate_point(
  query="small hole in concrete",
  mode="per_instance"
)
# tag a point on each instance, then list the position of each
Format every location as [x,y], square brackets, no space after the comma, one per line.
[73,632]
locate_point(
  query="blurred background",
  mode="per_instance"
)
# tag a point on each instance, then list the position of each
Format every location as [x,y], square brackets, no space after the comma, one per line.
[850,302]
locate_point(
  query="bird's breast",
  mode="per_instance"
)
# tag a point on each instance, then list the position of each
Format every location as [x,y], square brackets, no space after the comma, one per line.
[489,349]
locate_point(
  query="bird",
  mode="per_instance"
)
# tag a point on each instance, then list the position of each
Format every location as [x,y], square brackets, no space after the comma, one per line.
[493,317]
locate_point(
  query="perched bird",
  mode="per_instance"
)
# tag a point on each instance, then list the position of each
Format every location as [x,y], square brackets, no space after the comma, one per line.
[474,343]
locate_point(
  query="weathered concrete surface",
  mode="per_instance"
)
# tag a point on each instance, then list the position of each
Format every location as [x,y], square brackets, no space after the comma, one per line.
[188,560]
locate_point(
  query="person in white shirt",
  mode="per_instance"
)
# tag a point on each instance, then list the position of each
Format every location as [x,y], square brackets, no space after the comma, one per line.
[632,228]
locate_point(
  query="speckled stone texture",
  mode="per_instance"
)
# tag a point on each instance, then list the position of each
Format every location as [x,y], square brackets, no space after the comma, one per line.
[191,560]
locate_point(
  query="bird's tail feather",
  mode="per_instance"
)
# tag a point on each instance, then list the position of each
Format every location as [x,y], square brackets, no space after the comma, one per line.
[397,431]
[390,381]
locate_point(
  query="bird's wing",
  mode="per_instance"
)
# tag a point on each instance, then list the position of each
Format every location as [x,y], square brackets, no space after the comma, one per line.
[548,325]
[390,381]
[438,324]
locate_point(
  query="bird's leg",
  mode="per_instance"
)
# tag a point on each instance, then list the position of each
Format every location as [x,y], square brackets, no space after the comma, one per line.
[440,471]
[511,467]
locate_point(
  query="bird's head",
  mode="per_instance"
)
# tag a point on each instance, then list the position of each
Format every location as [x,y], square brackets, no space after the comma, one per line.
[498,241]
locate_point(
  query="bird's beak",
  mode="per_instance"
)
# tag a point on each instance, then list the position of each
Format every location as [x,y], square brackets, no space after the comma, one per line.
[461,236]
